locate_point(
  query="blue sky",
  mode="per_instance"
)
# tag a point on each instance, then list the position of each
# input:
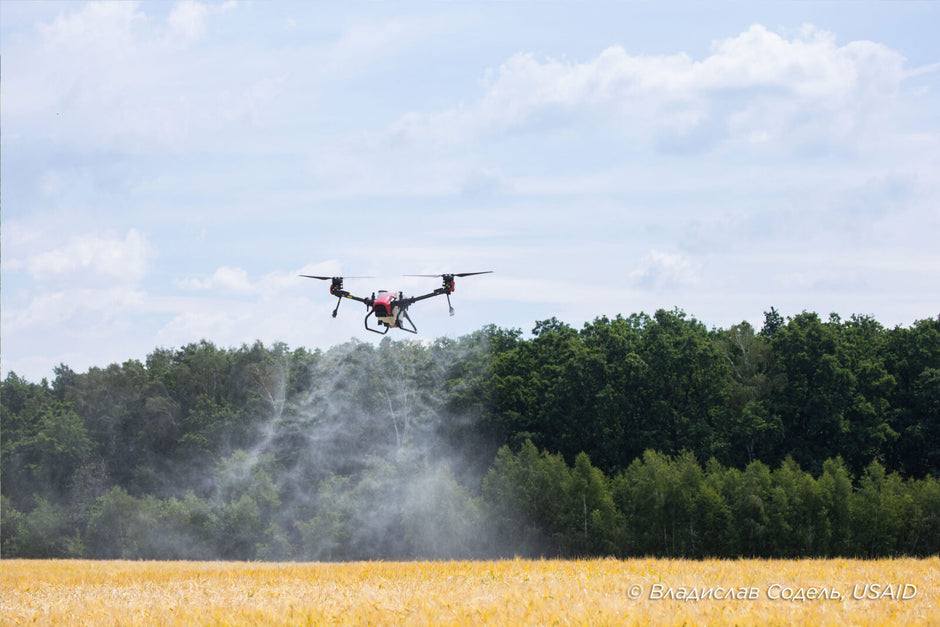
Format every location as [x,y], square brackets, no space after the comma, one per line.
[169,169]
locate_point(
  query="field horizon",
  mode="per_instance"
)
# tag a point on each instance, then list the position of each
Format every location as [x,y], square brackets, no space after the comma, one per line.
[636,591]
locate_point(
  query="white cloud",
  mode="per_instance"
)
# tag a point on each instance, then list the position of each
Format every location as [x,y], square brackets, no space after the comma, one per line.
[81,56]
[96,27]
[225,279]
[757,86]
[191,326]
[124,259]
[665,270]
[363,42]
[80,308]
[187,20]
[760,93]
[110,76]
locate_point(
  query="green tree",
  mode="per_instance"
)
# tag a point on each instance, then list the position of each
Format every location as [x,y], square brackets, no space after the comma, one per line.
[45,532]
[57,449]
[913,359]
[712,515]
[835,489]
[868,410]
[522,490]
[687,383]
[751,431]
[117,526]
[615,405]
[747,494]
[240,528]
[657,496]
[467,382]
[21,405]
[326,535]
[773,321]
[880,510]
[589,523]
[797,516]
[923,530]
[834,401]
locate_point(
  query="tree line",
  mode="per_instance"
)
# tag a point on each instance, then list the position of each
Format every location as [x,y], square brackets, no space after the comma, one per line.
[676,507]
[639,435]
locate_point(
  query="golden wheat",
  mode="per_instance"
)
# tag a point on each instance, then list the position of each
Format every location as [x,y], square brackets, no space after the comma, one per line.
[535,592]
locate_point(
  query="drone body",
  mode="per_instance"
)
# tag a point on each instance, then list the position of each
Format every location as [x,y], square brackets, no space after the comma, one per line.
[389,313]
[389,309]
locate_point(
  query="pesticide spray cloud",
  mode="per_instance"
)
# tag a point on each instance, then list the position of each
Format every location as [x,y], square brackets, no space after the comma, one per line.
[361,457]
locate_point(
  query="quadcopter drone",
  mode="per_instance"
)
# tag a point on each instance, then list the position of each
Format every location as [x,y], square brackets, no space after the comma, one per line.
[391,309]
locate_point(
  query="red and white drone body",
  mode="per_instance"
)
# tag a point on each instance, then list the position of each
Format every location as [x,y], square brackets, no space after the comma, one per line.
[390,309]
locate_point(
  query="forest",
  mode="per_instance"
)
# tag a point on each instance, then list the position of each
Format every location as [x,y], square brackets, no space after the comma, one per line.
[647,435]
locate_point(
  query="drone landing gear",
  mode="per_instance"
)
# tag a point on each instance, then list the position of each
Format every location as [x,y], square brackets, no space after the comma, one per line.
[368,328]
[404,314]
[399,324]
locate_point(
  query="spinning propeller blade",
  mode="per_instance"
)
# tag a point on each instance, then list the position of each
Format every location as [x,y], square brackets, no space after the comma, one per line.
[329,278]
[455,274]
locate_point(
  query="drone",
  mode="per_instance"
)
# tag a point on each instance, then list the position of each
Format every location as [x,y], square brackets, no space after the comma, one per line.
[389,309]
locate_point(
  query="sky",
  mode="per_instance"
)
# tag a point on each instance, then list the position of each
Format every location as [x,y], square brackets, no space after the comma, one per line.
[169,169]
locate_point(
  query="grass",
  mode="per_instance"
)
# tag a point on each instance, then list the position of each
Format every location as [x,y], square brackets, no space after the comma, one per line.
[534,592]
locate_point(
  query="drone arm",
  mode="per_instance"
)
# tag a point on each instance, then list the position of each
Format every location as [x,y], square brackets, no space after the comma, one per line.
[367,301]
[341,294]
[439,291]
[445,291]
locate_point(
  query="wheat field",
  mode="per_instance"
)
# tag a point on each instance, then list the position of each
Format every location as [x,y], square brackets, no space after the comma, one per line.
[533,592]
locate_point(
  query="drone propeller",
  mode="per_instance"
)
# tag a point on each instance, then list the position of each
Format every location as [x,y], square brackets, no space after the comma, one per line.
[333,278]
[456,274]
[448,286]
[336,288]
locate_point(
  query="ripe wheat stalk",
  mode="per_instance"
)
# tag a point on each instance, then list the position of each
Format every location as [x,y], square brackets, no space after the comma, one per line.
[534,592]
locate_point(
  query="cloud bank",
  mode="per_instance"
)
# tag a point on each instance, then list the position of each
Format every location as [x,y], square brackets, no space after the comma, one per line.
[170,169]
